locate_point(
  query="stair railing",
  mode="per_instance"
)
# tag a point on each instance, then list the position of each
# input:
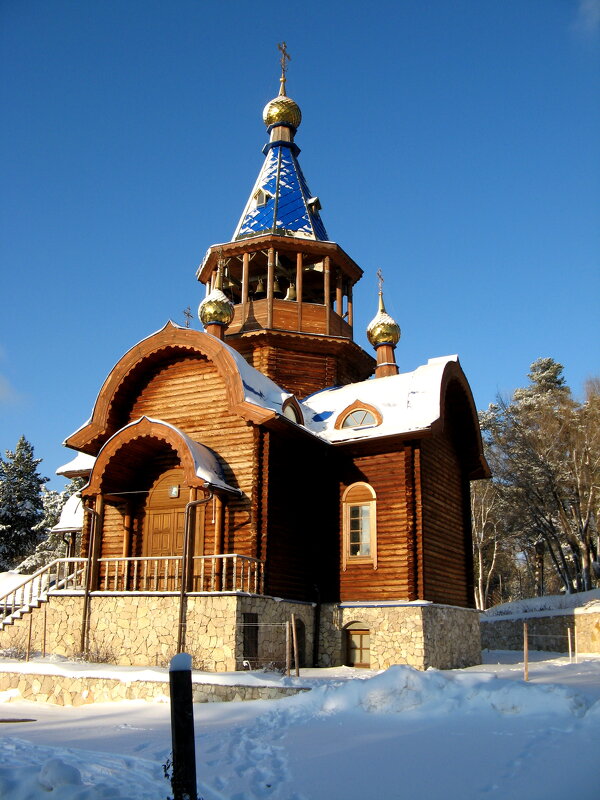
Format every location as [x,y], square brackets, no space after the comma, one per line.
[62,573]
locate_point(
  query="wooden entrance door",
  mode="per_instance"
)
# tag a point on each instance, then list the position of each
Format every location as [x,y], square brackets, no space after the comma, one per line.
[165,532]
[164,528]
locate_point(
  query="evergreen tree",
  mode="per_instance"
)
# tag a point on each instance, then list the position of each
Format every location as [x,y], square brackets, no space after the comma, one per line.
[52,545]
[21,506]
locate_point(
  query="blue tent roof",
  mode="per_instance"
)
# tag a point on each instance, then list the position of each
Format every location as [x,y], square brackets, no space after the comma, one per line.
[281,202]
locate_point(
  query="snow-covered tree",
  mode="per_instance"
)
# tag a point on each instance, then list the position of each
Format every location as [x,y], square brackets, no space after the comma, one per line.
[21,505]
[546,452]
[53,545]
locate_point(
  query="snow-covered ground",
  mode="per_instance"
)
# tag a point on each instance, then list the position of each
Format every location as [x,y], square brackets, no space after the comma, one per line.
[474,733]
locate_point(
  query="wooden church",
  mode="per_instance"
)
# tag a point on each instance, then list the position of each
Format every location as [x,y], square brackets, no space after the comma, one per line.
[268,466]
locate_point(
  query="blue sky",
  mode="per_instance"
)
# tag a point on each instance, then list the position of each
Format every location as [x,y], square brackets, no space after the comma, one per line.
[454,145]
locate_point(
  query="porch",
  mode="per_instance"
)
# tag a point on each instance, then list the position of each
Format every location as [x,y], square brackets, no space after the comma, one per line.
[160,575]
[56,611]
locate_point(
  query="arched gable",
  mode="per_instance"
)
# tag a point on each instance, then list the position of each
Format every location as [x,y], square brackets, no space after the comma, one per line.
[160,349]
[458,417]
[140,441]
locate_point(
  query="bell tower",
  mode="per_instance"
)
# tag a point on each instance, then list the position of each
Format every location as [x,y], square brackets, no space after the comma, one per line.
[290,286]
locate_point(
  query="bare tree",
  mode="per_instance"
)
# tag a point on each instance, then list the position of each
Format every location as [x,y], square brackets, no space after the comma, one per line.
[546,451]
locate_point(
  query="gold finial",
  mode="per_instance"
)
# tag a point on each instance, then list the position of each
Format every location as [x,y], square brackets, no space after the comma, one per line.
[282,109]
[382,329]
[285,57]
[217,308]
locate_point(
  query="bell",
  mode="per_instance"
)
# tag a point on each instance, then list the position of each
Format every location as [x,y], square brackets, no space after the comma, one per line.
[277,289]
[259,292]
[291,292]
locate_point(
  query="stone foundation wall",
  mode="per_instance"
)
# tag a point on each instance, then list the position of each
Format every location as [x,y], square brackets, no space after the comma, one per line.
[546,631]
[421,636]
[141,630]
[63,690]
[452,637]
[272,615]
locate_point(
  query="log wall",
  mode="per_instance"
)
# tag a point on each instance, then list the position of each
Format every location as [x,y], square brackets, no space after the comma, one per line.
[298,370]
[190,394]
[446,556]
[394,577]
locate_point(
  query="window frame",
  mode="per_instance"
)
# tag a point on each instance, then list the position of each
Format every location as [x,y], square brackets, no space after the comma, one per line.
[291,404]
[358,405]
[360,488]
[371,423]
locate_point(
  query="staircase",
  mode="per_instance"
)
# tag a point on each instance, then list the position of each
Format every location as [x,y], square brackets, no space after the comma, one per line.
[65,574]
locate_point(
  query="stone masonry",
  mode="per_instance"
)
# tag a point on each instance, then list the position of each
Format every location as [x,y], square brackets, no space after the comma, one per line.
[546,631]
[139,630]
[420,635]
[64,690]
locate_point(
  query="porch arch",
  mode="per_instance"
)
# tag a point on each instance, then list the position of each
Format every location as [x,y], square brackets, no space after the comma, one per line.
[119,460]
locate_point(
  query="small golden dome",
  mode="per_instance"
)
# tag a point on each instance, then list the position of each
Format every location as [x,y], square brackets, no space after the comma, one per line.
[282,109]
[216,309]
[383,329]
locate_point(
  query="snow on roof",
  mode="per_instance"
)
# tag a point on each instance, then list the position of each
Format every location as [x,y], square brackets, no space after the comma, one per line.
[206,463]
[82,464]
[258,389]
[407,402]
[71,516]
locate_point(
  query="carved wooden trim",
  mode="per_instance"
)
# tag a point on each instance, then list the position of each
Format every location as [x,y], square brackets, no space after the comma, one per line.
[171,337]
[144,429]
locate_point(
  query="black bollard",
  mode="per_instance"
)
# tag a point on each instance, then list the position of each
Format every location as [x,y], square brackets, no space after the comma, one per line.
[183,779]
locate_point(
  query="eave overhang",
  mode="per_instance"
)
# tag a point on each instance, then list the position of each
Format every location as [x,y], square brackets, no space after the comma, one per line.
[285,244]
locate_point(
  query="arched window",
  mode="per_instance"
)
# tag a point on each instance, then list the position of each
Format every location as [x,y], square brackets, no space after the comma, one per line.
[360,525]
[291,410]
[359,418]
[358,415]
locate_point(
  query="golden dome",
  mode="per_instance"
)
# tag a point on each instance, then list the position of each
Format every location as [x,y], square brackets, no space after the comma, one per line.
[282,109]
[216,309]
[383,329]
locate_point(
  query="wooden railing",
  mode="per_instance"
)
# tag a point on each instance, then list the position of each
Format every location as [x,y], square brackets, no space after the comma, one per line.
[64,573]
[231,573]
[224,573]
[160,574]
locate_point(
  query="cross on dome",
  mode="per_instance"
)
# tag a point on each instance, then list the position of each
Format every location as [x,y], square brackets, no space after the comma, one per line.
[285,57]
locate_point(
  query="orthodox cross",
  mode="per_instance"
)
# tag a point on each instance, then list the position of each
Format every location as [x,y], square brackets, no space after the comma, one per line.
[188,316]
[285,57]
[380,280]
